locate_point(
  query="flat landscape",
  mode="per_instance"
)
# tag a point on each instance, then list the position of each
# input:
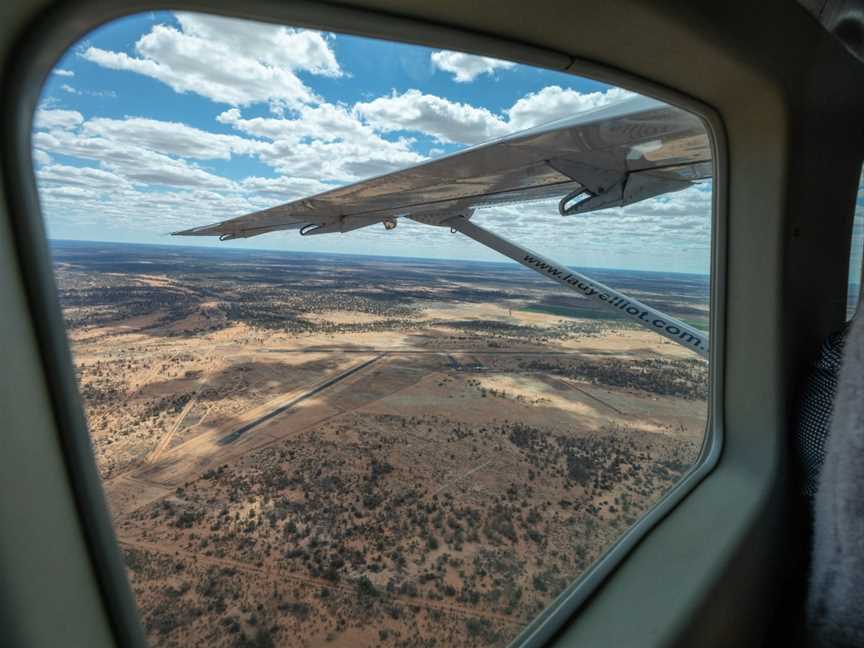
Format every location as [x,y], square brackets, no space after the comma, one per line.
[333,450]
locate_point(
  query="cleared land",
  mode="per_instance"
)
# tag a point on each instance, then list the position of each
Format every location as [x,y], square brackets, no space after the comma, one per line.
[320,450]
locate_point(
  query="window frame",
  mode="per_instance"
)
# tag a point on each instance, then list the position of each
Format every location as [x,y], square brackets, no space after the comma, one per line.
[847,314]
[60,28]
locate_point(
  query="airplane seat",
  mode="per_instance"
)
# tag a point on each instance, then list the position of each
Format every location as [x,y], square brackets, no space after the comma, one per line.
[835,597]
[814,415]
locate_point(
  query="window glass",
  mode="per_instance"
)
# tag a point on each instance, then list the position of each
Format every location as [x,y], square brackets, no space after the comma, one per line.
[391,436]
[853,292]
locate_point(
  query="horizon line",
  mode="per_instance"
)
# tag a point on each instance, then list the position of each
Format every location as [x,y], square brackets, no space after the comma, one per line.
[503,261]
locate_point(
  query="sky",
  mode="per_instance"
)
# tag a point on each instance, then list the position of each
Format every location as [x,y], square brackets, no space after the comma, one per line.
[162,121]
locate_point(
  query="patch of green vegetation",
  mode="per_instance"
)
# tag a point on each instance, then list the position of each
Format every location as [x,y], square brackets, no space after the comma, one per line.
[366,589]
[702,325]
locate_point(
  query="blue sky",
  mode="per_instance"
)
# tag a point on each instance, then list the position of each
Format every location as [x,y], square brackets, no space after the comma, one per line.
[162,121]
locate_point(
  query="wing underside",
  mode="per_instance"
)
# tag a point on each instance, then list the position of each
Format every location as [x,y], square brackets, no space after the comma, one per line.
[609,157]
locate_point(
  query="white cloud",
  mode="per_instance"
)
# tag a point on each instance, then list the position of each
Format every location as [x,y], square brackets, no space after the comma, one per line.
[229,61]
[57,119]
[325,142]
[76,194]
[275,45]
[342,160]
[671,231]
[135,163]
[143,150]
[147,167]
[467,67]
[452,122]
[554,102]
[41,158]
[283,188]
[64,73]
[90,93]
[445,120]
[326,122]
[93,178]
[171,138]
[156,212]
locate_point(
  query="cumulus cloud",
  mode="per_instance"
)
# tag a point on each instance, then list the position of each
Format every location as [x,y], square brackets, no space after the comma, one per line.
[325,142]
[659,232]
[554,102]
[283,188]
[275,45]
[467,67]
[147,167]
[341,160]
[63,73]
[46,119]
[445,120]
[90,93]
[41,158]
[453,122]
[171,138]
[142,208]
[76,194]
[230,61]
[91,177]
[136,163]
[326,122]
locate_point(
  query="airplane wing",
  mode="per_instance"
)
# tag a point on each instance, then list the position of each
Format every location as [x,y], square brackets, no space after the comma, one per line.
[607,157]
[612,156]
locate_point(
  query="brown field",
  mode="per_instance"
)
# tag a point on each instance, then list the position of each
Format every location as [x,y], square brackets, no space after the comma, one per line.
[309,451]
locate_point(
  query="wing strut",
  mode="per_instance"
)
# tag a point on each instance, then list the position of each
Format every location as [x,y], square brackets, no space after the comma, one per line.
[651,318]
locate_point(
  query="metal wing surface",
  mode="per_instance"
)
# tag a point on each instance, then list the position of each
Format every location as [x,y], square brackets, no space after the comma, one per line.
[611,156]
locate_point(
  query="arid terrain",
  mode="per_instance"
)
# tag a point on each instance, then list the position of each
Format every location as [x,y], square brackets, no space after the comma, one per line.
[322,450]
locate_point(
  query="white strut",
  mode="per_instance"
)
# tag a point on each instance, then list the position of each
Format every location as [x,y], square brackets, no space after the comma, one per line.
[651,318]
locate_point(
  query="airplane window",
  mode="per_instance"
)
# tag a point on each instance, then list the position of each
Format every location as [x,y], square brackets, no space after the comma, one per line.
[432,334]
[853,292]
